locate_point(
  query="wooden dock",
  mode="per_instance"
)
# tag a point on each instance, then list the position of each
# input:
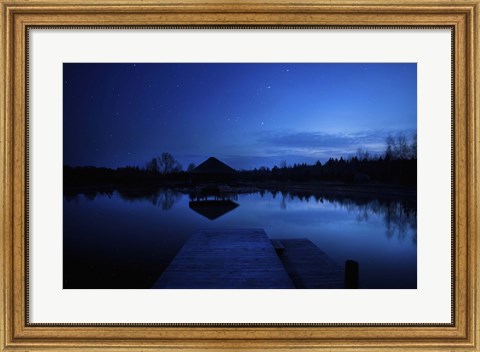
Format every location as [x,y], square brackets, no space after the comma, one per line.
[226,259]
[308,266]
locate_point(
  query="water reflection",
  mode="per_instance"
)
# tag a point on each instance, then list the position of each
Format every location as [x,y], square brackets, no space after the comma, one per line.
[128,236]
[399,215]
[212,204]
[164,198]
[89,193]
[212,209]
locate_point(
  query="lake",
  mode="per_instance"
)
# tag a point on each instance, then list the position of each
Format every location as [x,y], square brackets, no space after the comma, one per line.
[125,239]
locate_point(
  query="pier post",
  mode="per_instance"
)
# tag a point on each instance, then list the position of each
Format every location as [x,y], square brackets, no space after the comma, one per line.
[351,274]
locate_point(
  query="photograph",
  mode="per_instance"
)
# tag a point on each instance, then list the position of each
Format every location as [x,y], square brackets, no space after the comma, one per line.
[240,175]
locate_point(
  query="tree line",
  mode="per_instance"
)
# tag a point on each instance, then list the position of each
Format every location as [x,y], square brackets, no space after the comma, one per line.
[396,165]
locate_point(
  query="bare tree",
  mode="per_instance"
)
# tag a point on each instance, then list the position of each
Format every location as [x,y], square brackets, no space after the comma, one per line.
[164,164]
[402,148]
[363,154]
[413,147]
[167,164]
[191,167]
[152,165]
[390,147]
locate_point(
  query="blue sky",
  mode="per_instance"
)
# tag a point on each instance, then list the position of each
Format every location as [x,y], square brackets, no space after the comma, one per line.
[246,114]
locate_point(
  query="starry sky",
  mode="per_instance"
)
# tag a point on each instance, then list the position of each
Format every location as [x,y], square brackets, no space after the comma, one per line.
[246,114]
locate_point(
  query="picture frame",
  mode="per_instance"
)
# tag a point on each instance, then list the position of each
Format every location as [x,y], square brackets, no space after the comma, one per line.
[17,334]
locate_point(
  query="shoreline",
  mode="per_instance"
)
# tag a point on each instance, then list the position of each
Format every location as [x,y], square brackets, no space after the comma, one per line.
[365,190]
[372,190]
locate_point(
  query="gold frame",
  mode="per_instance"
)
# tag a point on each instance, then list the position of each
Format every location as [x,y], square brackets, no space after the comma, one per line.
[16,334]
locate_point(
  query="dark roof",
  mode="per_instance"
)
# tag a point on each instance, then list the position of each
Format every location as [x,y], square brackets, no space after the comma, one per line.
[213,166]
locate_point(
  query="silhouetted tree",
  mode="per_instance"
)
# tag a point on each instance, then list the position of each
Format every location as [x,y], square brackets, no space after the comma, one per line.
[167,164]
[191,167]
[152,166]
[390,147]
[413,147]
[164,164]
[401,150]
[362,154]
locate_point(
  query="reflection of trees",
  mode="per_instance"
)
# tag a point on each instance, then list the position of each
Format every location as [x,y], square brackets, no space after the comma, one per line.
[399,215]
[283,202]
[71,197]
[164,198]
[168,199]
[89,194]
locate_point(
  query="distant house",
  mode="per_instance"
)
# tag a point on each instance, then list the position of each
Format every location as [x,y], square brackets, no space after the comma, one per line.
[213,170]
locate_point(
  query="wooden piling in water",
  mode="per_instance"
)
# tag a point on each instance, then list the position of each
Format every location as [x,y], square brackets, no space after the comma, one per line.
[351,274]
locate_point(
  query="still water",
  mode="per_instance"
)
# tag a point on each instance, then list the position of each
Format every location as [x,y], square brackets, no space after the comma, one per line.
[126,239]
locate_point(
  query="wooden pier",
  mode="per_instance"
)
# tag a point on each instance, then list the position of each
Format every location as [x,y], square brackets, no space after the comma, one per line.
[308,266]
[217,259]
[247,258]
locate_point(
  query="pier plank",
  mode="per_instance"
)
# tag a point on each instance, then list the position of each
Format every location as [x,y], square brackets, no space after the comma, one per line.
[309,267]
[226,259]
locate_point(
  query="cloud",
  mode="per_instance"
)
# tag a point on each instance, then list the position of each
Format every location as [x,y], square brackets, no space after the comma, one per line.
[270,148]
[322,145]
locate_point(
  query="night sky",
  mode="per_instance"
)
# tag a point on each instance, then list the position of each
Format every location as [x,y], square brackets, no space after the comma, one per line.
[247,115]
